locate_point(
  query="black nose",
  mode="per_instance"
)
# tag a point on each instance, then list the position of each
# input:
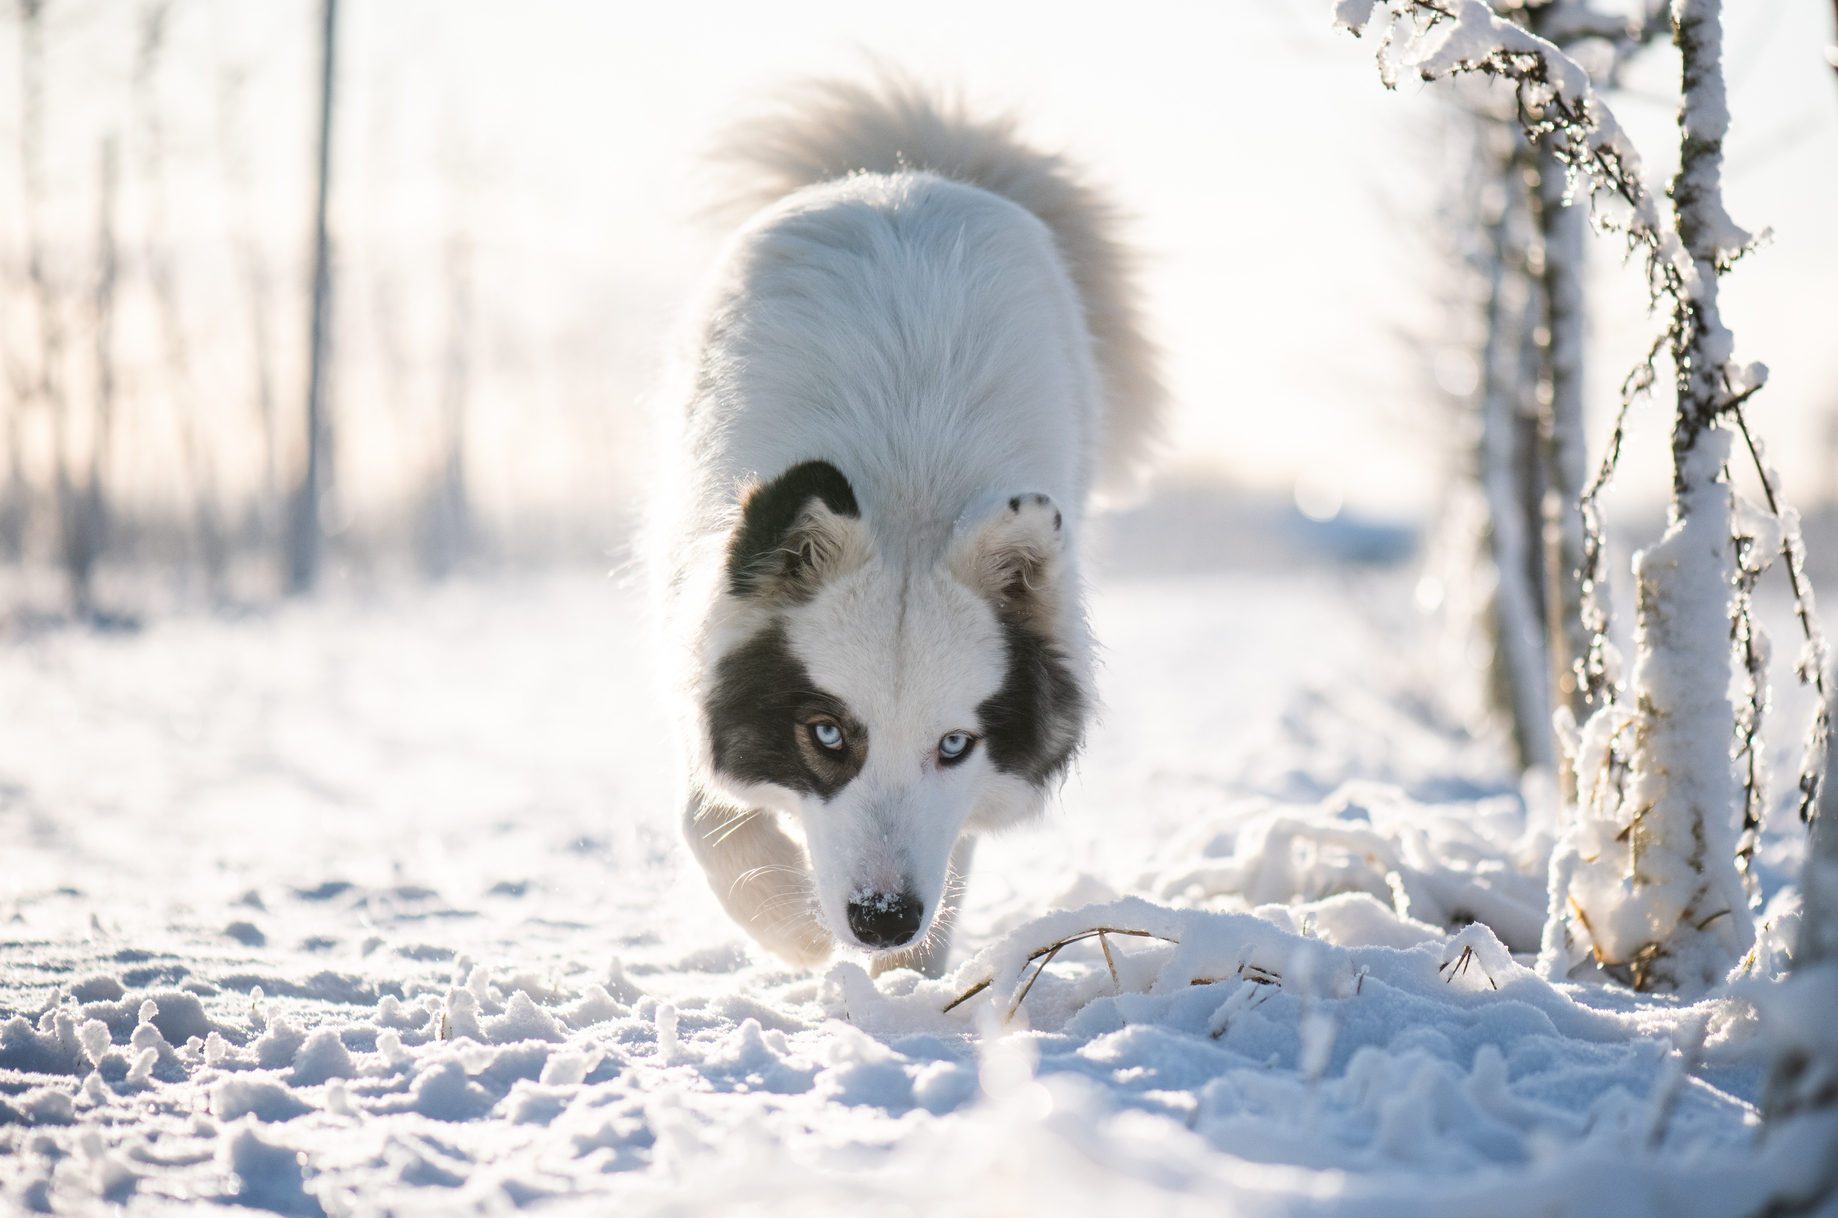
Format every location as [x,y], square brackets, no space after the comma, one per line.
[885,919]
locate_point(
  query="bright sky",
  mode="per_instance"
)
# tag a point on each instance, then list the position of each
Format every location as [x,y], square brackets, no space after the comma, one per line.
[1284,201]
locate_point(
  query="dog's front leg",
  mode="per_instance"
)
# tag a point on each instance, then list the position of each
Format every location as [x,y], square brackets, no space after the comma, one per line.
[930,956]
[760,875]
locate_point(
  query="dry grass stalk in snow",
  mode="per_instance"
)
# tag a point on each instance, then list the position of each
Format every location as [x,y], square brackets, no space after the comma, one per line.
[1044,956]
[1254,975]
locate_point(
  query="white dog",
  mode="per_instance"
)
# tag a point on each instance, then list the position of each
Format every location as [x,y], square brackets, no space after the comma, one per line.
[911,368]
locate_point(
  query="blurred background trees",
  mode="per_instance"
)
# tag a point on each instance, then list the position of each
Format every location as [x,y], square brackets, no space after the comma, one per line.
[510,227]
[222,281]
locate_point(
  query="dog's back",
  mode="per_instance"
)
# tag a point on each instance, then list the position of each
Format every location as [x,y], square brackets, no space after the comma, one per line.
[832,130]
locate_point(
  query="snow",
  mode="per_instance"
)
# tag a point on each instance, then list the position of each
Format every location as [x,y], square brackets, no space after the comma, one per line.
[486,977]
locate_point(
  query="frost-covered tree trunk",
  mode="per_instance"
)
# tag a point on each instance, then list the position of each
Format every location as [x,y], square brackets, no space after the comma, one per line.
[1654,890]
[1644,881]
[1801,1105]
[1532,454]
[1560,432]
[1507,480]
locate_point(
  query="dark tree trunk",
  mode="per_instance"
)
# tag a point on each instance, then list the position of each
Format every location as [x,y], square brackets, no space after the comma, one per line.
[305,534]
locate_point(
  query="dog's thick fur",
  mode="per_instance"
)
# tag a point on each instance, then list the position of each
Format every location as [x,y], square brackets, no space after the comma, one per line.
[911,368]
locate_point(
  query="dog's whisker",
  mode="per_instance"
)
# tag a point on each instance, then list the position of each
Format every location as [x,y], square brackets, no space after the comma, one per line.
[728,828]
[756,873]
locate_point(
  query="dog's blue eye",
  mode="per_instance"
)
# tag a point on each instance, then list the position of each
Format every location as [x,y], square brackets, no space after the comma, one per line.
[827,735]
[955,747]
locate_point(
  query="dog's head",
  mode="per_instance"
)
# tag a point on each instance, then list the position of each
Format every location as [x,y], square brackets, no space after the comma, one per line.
[889,704]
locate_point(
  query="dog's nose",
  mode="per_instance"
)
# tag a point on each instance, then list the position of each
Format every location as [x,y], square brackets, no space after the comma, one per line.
[885,919]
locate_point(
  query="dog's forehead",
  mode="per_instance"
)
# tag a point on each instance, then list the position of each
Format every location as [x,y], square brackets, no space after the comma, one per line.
[898,645]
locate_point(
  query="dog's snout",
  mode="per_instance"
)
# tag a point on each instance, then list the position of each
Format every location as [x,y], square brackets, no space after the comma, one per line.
[883,920]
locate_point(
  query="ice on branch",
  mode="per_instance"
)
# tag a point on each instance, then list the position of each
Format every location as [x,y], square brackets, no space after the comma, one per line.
[1556,101]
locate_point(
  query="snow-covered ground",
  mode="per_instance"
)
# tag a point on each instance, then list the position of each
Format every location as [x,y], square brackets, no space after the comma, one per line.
[376,906]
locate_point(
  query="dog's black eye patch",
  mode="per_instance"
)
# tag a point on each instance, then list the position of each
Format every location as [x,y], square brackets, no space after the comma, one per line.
[1033,724]
[765,550]
[758,715]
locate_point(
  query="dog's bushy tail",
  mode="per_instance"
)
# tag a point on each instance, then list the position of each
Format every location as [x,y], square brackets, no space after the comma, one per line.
[830,129]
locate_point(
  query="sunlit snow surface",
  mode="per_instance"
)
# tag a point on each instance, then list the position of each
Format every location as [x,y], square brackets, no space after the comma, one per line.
[376,906]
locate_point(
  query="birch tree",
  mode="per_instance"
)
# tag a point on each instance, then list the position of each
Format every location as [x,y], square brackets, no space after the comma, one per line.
[1645,882]
[1559,257]
[1529,463]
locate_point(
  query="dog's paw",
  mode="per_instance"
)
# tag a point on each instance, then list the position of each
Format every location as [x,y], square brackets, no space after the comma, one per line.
[800,941]
[928,959]
[1034,511]
[783,919]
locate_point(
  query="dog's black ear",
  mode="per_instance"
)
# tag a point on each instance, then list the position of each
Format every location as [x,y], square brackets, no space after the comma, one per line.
[796,531]
[1012,557]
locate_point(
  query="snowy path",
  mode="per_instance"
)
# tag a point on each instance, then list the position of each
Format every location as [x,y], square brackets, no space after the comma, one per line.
[377,907]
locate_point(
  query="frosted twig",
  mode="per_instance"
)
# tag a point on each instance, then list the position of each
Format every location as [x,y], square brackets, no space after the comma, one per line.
[1045,956]
[1811,669]
[1555,101]
[1751,648]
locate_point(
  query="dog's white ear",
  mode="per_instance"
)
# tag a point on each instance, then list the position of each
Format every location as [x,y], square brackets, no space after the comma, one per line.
[795,532]
[1012,557]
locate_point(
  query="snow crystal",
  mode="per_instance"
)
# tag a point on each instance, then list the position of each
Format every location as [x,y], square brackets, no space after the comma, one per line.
[666,1032]
[389,1047]
[47,1107]
[522,1020]
[141,1072]
[443,1091]
[595,1006]
[94,1038]
[323,1056]
[110,1177]
[279,1044]
[268,1176]
[338,1098]
[50,1048]
[265,1099]
[461,1017]
[568,1068]
[1353,14]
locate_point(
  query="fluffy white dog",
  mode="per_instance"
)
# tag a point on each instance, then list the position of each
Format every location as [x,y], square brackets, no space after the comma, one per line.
[911,368]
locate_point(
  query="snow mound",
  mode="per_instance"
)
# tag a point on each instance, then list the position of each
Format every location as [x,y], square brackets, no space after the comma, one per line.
[477,989]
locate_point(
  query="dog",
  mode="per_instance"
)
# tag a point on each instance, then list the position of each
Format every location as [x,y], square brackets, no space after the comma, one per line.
[910,370]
